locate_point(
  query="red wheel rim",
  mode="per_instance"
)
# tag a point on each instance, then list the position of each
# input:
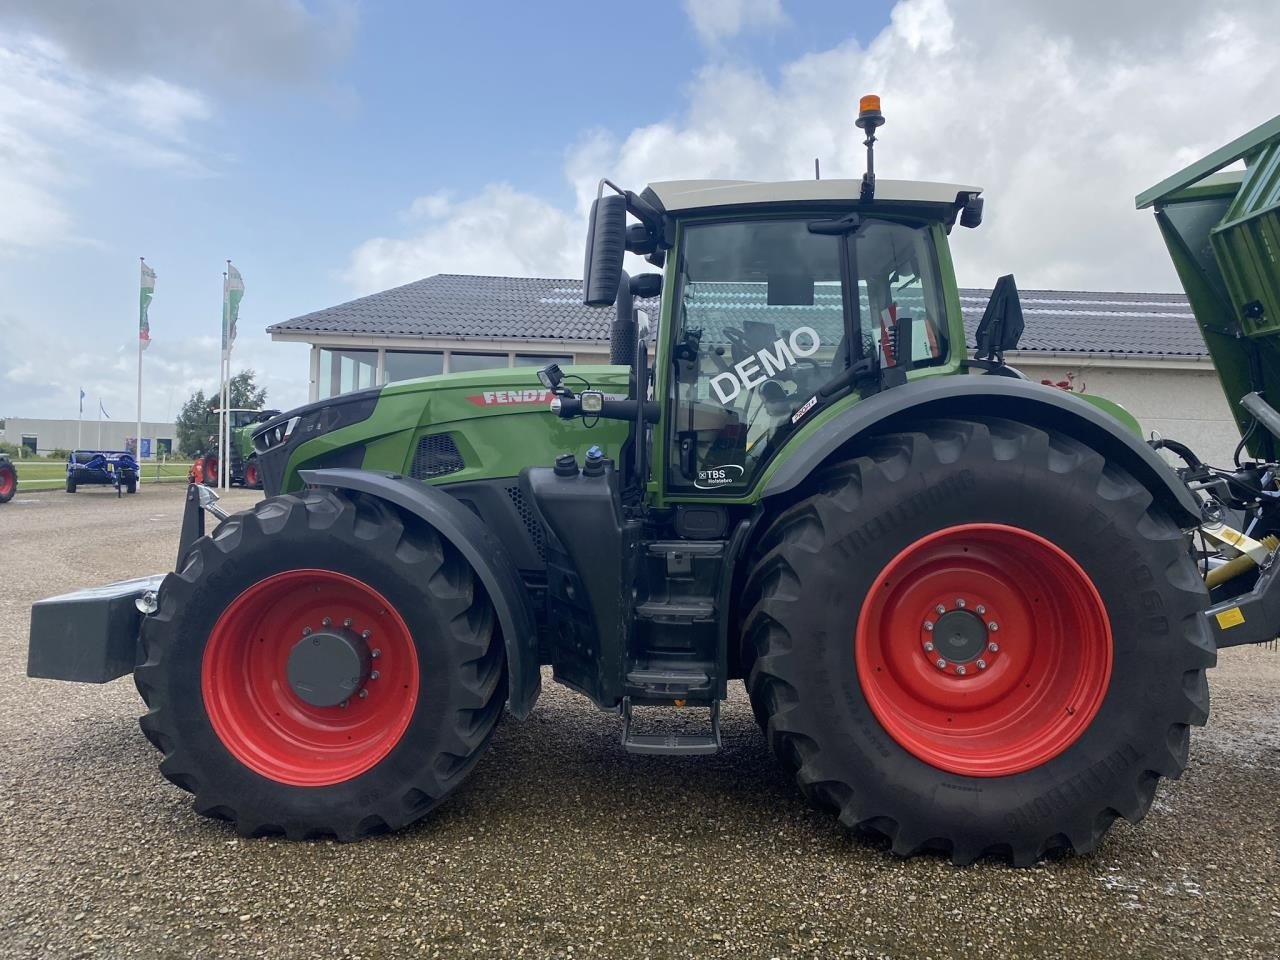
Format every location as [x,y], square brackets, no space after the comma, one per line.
[972,698]
[251,475]
[260,719]
[7,482]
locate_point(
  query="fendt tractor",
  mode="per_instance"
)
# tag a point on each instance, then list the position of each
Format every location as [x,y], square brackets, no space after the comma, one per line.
[966,606]
[242,463]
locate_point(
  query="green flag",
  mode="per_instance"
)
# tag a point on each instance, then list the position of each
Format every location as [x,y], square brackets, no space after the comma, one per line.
[147,290]
[233,293]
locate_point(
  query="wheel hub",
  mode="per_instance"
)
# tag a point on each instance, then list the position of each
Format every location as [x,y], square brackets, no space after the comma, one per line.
[959,636]
[329,666]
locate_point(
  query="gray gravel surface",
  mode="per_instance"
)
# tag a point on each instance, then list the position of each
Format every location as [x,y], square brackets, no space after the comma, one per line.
[561,845]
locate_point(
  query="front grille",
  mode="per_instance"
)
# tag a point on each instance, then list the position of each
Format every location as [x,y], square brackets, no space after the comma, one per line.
[436,456]
[531,521]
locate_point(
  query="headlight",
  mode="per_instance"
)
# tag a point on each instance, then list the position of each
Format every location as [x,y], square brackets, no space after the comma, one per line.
[592,402]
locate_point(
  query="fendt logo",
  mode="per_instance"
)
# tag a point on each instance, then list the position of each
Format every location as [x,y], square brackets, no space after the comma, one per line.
[492,398]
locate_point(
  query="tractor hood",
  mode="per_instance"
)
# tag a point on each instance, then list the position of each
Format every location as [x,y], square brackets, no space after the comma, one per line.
[445,429]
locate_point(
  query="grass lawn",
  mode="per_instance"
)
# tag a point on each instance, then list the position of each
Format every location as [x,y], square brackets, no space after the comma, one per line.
[51,474]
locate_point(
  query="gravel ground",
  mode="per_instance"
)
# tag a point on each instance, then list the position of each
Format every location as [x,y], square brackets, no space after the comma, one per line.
[561,845]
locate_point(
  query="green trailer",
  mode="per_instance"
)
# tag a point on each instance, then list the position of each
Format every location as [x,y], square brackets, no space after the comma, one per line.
[964,605]
[1220,219]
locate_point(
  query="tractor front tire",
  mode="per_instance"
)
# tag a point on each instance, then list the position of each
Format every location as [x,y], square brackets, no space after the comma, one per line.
[71,484]
[131,486]
[978,637]
[321,665]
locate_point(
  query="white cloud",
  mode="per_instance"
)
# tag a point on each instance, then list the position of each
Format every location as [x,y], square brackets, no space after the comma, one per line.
[717,20]
[1063,119]
[56,119]
[499,231]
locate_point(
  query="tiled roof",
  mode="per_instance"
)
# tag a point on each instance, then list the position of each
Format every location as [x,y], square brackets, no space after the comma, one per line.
[454,305]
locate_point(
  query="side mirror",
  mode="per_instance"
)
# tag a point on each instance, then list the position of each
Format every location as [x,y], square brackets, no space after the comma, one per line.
[971,212]
[606,244]
[1001,325]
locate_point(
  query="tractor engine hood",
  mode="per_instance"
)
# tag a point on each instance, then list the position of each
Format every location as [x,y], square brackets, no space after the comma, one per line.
[380,428]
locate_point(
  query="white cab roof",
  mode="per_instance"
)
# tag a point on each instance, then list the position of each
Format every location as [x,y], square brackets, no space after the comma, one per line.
[679,195]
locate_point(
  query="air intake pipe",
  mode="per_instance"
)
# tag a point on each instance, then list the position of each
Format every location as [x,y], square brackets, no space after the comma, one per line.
[622,338]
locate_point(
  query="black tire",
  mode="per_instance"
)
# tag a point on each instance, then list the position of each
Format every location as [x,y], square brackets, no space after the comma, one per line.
[8,480]
[131,486]
[458,650]
[799,636]
[71,484]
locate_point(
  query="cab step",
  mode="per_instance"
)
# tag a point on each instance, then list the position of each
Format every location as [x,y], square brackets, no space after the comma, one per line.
[681,744]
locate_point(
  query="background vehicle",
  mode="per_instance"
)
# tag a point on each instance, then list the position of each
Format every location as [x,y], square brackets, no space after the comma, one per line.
[963,604]
[116,468]
[8,479]
[244,470]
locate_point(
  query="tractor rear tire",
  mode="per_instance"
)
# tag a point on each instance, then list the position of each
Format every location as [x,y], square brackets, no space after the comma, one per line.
[240,729]
[978,637]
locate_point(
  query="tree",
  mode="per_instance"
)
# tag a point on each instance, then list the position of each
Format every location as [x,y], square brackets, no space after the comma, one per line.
[197,423]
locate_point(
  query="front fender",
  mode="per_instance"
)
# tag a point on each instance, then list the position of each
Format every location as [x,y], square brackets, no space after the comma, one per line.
[1022,400]
[487,556]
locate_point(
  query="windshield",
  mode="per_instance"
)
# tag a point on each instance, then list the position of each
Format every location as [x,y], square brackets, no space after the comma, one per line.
[763,321]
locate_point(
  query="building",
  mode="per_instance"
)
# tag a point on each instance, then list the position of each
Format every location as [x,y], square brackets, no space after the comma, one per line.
[44,436]
[1142,350]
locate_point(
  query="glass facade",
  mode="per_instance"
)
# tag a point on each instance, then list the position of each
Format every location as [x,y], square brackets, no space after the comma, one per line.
[542,359]
[342,371]
[466,362]
[410,364]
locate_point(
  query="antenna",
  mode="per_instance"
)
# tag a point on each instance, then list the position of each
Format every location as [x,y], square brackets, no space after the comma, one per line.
[869,117]
[817,174]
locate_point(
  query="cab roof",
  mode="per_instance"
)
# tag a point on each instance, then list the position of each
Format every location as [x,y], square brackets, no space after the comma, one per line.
[685,195]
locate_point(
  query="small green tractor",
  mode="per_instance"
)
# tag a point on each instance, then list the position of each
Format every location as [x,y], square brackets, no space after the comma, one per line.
[243,464]
[965,606]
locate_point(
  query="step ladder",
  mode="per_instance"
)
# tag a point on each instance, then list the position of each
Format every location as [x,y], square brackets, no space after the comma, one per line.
[683,744]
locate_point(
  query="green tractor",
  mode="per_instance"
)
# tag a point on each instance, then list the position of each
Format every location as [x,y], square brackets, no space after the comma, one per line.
[964,604]
[243,462]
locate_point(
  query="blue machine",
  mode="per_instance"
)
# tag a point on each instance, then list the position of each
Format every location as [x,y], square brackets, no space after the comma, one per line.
[114,468]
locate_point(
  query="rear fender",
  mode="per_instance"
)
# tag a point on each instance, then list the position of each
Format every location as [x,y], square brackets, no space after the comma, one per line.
[487,556]
[1021,400]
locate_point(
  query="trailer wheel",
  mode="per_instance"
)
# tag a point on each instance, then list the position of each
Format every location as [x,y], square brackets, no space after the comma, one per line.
[978,637]
[321,666]
[8,481]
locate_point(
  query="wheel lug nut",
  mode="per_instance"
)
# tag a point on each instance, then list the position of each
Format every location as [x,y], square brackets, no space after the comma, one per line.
[346,622]
[982,664]
[373,675]
[363,694]
[960,670]
[993,647]
[940,608]
[342,705]
[993,626]
[306,631]
[928,645]
[980,609]
[326,622]
[960,604]
[375,653]
[940,664]
[365,635]
[928,624]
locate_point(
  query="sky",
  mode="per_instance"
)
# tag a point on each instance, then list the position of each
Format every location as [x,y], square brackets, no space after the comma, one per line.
[332,148]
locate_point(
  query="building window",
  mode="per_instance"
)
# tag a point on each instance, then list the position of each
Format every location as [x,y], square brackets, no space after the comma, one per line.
[164,447]
[466,362]
[29,442]
[542,359]
[342,371]
[409,365]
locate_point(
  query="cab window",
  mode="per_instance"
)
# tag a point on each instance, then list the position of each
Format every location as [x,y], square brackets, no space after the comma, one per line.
[763,319]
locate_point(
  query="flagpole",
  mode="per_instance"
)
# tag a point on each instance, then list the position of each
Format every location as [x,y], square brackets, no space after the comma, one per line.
[137,437]
[80,420]
[99,423]
[222,402]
